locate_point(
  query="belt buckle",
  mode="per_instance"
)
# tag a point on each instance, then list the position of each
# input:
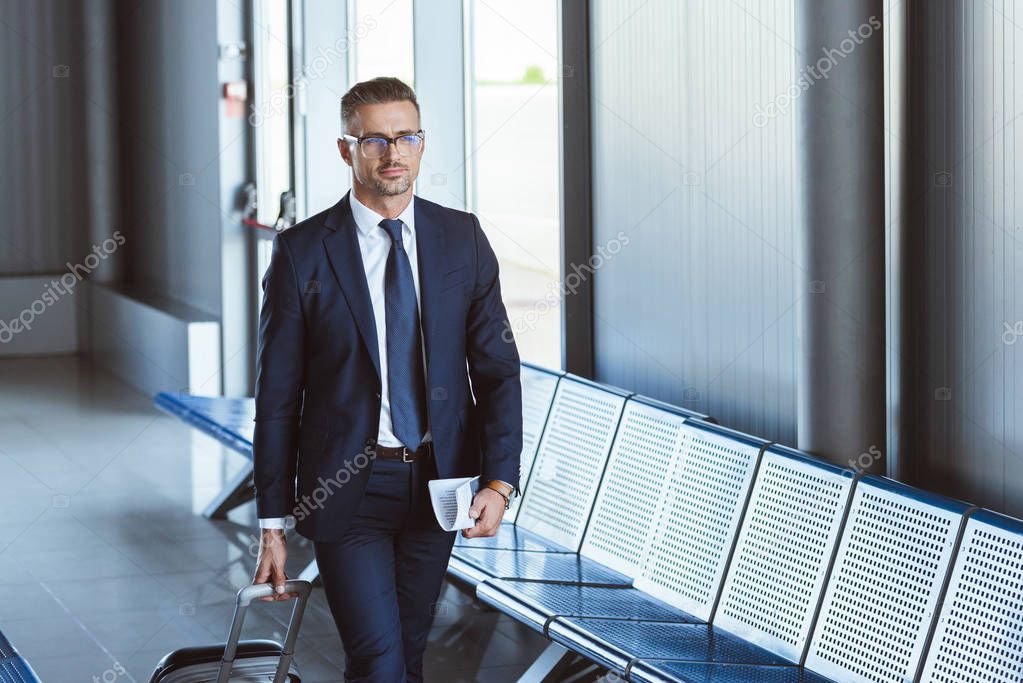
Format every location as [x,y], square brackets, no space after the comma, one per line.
[405,454]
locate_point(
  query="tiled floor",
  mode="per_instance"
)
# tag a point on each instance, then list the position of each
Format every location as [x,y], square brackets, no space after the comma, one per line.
[106,565]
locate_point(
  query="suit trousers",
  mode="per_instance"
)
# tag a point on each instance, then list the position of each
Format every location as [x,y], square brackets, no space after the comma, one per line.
[383,578]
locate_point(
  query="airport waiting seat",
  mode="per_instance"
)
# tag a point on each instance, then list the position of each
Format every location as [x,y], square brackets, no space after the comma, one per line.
[13,667]
[886,584]
[979,633]
[675,488]
[229,421]
[775,577]
[694,672]
[881,593]
[564,480]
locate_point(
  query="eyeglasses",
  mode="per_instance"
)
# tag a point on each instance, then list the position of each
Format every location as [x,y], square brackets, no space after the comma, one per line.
[375,146]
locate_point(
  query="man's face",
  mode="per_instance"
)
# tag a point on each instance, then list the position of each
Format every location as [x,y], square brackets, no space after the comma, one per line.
[391,174]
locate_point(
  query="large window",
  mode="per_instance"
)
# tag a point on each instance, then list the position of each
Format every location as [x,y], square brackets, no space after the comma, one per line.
[384,39]
[510,126]
[514,155]
[271,117]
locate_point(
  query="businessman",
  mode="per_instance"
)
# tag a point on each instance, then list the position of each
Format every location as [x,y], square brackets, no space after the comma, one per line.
[383,362]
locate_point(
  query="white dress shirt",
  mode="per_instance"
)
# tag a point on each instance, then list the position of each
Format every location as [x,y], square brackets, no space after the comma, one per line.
[375,246]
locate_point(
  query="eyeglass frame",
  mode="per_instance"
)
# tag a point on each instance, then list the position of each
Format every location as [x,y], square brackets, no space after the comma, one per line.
[421,134]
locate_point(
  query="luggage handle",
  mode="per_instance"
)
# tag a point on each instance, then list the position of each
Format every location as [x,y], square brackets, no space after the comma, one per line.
[246,595]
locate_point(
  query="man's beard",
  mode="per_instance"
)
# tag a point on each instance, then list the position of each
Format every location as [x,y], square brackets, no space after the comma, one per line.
[390,188]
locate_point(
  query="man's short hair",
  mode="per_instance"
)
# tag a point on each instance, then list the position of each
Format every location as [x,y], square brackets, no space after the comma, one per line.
[375,91]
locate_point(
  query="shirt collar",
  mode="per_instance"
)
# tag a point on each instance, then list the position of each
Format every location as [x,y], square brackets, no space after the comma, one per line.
[367,220]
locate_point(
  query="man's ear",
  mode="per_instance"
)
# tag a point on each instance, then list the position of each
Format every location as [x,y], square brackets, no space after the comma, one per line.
[346,152]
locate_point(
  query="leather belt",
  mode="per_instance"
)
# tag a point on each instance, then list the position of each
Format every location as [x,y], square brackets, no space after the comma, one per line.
[404,454]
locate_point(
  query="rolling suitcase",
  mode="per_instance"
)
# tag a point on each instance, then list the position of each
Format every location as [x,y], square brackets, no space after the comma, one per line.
[246,661]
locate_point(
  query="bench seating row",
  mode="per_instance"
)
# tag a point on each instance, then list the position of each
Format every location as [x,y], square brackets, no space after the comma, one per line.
[667,548]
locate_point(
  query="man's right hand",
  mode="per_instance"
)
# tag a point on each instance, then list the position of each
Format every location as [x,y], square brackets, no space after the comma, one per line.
[273,552]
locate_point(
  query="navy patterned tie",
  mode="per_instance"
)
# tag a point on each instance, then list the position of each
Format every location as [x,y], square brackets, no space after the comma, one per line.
[405,377]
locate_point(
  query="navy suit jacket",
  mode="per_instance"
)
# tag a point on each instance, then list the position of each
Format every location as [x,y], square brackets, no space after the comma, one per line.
[318,372]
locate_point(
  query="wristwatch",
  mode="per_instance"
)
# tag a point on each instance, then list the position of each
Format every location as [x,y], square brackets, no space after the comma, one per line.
[506,490]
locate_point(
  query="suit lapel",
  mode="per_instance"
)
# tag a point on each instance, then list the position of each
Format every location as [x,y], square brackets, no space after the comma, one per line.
[342,245]
[431,255]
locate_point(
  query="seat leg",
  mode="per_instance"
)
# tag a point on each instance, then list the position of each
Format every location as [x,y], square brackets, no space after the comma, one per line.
[241,490]
[556,663]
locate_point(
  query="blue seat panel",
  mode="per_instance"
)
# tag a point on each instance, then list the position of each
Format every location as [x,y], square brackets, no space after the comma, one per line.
[17,670]
[512,537]
[14,669]
[551,567]
[613,643]
[654,671]
[228,420]
[536,603]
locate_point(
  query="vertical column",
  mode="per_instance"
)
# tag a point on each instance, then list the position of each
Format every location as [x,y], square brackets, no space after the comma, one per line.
[100,137]
[840,215]
[897,133]
[576,182]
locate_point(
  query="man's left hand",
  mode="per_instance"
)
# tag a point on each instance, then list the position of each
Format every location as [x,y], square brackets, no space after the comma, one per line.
[488,510]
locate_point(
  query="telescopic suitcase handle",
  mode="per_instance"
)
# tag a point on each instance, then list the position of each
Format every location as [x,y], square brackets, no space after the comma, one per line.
[245,597]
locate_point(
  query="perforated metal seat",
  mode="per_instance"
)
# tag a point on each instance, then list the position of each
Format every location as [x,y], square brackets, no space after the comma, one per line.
[693,672]
[511,537]
[570,463]
[783,553]
[570,460]
[701,508]
[228,420]
[979,634]
[13,668]
[687,482]
[613,643]
[774,580]
[644,449]
[886,583]
[660,451]
[536,604]
[550,567]
[624,505]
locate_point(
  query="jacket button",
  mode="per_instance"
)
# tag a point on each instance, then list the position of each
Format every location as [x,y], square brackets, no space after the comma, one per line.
[378,394]
[371,441]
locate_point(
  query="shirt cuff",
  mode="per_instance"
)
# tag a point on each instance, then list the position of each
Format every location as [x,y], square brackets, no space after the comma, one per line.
[272,522]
